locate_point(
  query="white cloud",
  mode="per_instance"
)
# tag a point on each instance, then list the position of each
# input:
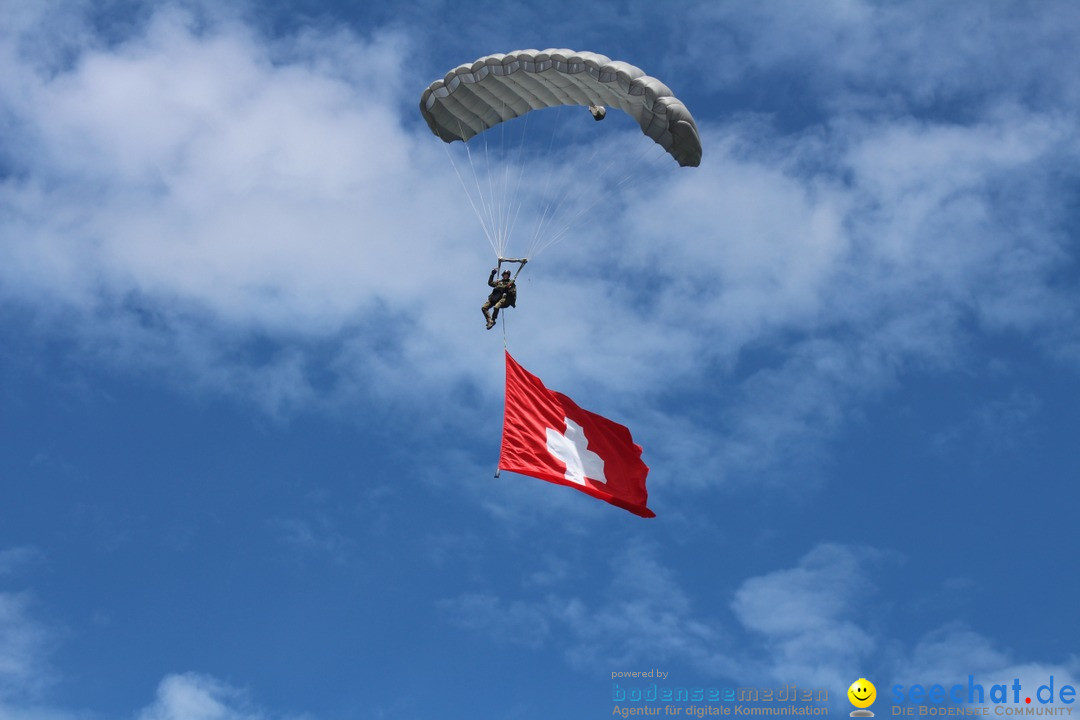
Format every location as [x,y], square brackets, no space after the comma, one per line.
[812,616]
[820,623]
[849,54]
[643,615]
[186,696]
[255,193]
[873,265]
[169,213]
[955,655]
[950,653]
[24,647]
[192,696]
[27,677]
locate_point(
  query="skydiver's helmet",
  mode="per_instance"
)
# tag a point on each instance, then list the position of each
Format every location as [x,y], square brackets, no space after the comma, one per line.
[598,112]
[506,274]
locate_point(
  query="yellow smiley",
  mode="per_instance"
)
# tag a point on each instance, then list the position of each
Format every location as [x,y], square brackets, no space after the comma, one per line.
[862,693]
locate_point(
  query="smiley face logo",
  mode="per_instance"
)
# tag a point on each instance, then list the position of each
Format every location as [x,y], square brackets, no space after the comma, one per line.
[862,693]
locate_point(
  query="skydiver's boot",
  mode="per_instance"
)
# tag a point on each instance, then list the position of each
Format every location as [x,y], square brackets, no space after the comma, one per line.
[490,322]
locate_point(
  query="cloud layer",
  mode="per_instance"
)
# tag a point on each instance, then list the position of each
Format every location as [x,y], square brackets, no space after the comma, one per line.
[287,231]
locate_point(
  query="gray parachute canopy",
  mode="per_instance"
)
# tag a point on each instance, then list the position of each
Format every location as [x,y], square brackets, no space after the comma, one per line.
[472,98]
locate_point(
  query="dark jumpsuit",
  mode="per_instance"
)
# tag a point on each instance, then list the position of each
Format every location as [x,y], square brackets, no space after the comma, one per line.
[504,295]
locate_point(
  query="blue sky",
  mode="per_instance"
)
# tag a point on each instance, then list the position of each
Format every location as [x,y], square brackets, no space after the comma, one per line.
[249,413]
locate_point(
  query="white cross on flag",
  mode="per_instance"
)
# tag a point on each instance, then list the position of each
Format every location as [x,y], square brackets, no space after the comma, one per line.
[547,436]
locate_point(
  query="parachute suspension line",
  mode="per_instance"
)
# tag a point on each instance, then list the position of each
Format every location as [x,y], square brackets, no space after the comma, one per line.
[472,203]
[516,202]
[505,197]
[499,208]
[492,197]
[569,223]
[495,199]
[552,205]
[539,241]
[555,126]
[489,207]
[628,178]
[486,200]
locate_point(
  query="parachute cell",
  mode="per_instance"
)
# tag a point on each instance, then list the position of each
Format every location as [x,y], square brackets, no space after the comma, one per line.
[495,88]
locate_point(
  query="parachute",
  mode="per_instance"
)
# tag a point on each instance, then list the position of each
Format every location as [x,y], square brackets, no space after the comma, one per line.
[497,89]
[475,97]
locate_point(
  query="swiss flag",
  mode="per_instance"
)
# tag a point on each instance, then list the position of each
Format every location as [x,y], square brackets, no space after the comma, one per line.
[547,436]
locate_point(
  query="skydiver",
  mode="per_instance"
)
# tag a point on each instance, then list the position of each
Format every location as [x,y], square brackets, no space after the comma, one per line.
[504,295]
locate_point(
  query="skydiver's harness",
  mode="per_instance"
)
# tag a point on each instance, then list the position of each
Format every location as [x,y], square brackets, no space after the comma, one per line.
[508,290]
[520,261]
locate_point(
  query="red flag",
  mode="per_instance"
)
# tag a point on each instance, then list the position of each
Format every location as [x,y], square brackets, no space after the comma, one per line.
[547,436]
